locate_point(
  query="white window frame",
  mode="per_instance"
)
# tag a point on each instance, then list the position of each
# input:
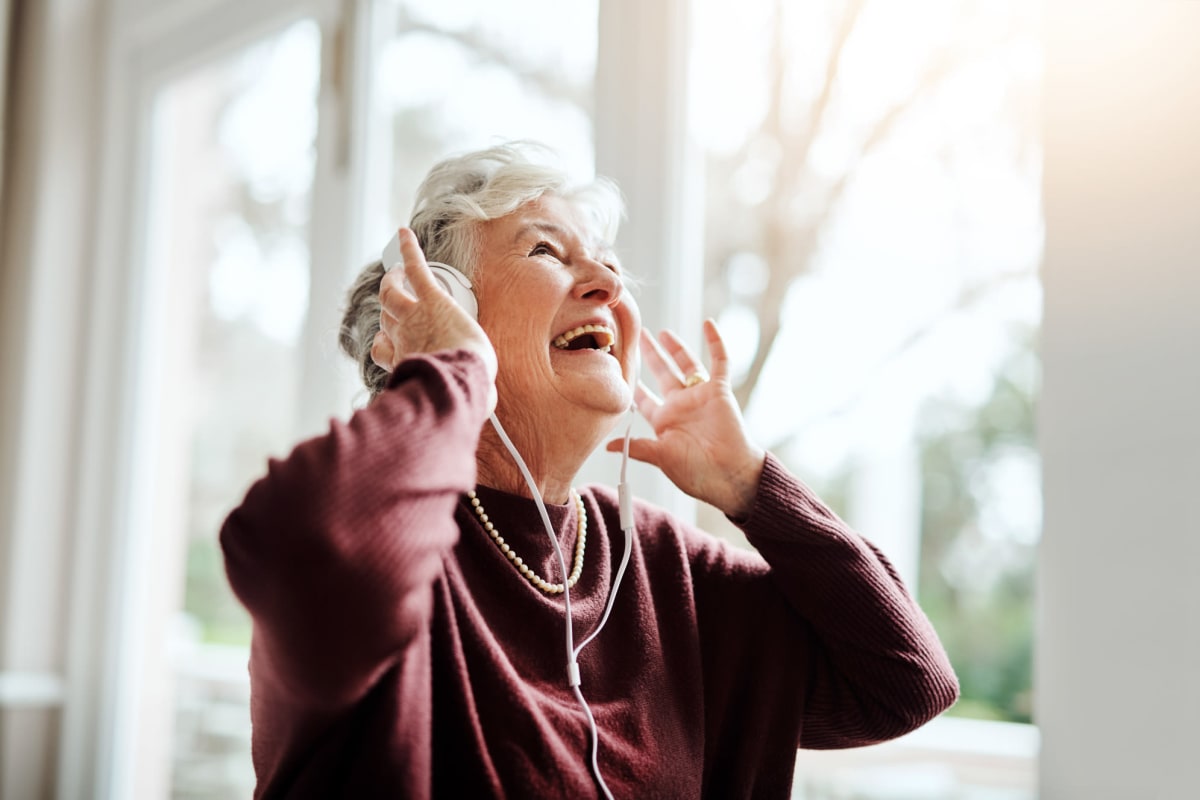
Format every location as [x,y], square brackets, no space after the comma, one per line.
[108,617]
[642,143]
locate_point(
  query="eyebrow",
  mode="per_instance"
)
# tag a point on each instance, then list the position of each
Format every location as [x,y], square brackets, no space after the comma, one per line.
[547,227]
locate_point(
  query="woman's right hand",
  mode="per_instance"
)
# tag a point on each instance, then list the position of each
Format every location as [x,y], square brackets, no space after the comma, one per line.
[425,320]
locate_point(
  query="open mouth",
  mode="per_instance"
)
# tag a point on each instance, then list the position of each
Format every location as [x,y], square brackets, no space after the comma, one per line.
[587,337]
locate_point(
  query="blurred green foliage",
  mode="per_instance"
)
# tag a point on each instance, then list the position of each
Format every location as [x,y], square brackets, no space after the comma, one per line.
[976,583]
[208,598]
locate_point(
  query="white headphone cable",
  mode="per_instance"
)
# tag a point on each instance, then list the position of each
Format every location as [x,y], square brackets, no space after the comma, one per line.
[626,503]
[625,499]
[573,678]
[572,667]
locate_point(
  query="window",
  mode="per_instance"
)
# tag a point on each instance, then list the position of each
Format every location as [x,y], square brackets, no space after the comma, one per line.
[874,230]
[233,145]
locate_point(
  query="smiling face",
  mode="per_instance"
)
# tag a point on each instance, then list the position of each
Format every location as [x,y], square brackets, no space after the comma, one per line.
[552,302]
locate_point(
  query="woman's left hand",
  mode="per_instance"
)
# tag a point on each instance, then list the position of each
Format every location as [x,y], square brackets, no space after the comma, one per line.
[701,444]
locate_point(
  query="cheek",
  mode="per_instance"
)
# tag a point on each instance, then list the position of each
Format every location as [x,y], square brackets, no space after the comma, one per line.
[508,294]
[521,350]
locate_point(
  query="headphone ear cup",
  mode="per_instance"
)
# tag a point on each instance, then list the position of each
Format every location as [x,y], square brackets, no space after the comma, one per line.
[457,285]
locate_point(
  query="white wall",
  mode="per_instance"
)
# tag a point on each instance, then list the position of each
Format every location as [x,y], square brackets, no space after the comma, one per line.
[1118,659]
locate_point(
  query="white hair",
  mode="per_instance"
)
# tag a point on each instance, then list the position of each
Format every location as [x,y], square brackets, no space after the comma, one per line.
[457,196]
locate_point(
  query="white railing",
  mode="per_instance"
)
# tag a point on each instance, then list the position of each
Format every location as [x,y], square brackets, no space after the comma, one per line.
[212,724]
[948,759]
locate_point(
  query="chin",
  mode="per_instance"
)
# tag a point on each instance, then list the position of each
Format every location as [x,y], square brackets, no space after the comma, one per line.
[606,401]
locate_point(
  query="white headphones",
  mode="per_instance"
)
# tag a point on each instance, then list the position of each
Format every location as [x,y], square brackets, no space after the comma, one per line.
[454,282]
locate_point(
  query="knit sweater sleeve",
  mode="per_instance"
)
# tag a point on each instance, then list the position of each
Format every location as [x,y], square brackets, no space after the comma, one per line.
[335,549]
[836,641]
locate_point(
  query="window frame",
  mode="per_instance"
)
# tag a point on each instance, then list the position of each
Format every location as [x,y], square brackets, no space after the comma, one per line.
[111,578]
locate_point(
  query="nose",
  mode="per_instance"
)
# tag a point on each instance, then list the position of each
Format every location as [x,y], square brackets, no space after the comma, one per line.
[598,282]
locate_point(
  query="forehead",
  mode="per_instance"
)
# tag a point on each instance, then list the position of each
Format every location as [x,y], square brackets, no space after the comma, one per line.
[550,216]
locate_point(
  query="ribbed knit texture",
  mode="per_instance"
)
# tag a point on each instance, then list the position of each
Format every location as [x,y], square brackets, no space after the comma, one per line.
[398,653]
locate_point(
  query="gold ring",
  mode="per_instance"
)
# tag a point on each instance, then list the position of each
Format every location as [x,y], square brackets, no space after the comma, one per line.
[694,379]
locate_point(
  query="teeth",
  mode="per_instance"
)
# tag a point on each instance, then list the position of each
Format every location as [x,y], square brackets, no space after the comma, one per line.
[601,333]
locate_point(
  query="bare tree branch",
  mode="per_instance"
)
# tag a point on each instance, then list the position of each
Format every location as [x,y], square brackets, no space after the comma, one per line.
[548,82]
[833,66]
[789,251]
[786,250]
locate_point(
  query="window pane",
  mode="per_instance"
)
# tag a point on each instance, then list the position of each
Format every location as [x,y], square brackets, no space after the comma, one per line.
[873,235]
[234,145]
[459,76]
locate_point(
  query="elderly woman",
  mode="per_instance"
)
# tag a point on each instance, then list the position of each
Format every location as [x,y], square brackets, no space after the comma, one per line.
[410,609]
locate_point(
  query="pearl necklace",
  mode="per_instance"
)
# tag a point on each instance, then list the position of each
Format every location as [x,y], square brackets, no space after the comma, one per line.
[530,575]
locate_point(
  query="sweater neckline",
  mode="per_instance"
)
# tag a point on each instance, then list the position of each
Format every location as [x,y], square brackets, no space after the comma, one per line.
[517,518]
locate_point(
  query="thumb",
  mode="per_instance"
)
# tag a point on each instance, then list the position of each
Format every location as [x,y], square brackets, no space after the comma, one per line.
[420,278]
[416,269]
[647,450]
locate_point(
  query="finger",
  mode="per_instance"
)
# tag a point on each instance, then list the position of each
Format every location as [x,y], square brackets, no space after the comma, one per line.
[646,450]
[716,350]
[391,285]
[389,323]
[642,391]
[647,402]
[618,445]
[396,292]
[382,352]
[416,270]
[661,365]
[681,354]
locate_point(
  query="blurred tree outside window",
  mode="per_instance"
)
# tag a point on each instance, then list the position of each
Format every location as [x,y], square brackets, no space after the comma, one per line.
[873,232]
[456,77]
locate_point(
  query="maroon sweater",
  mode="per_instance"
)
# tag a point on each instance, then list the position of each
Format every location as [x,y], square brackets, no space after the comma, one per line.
[397,652]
